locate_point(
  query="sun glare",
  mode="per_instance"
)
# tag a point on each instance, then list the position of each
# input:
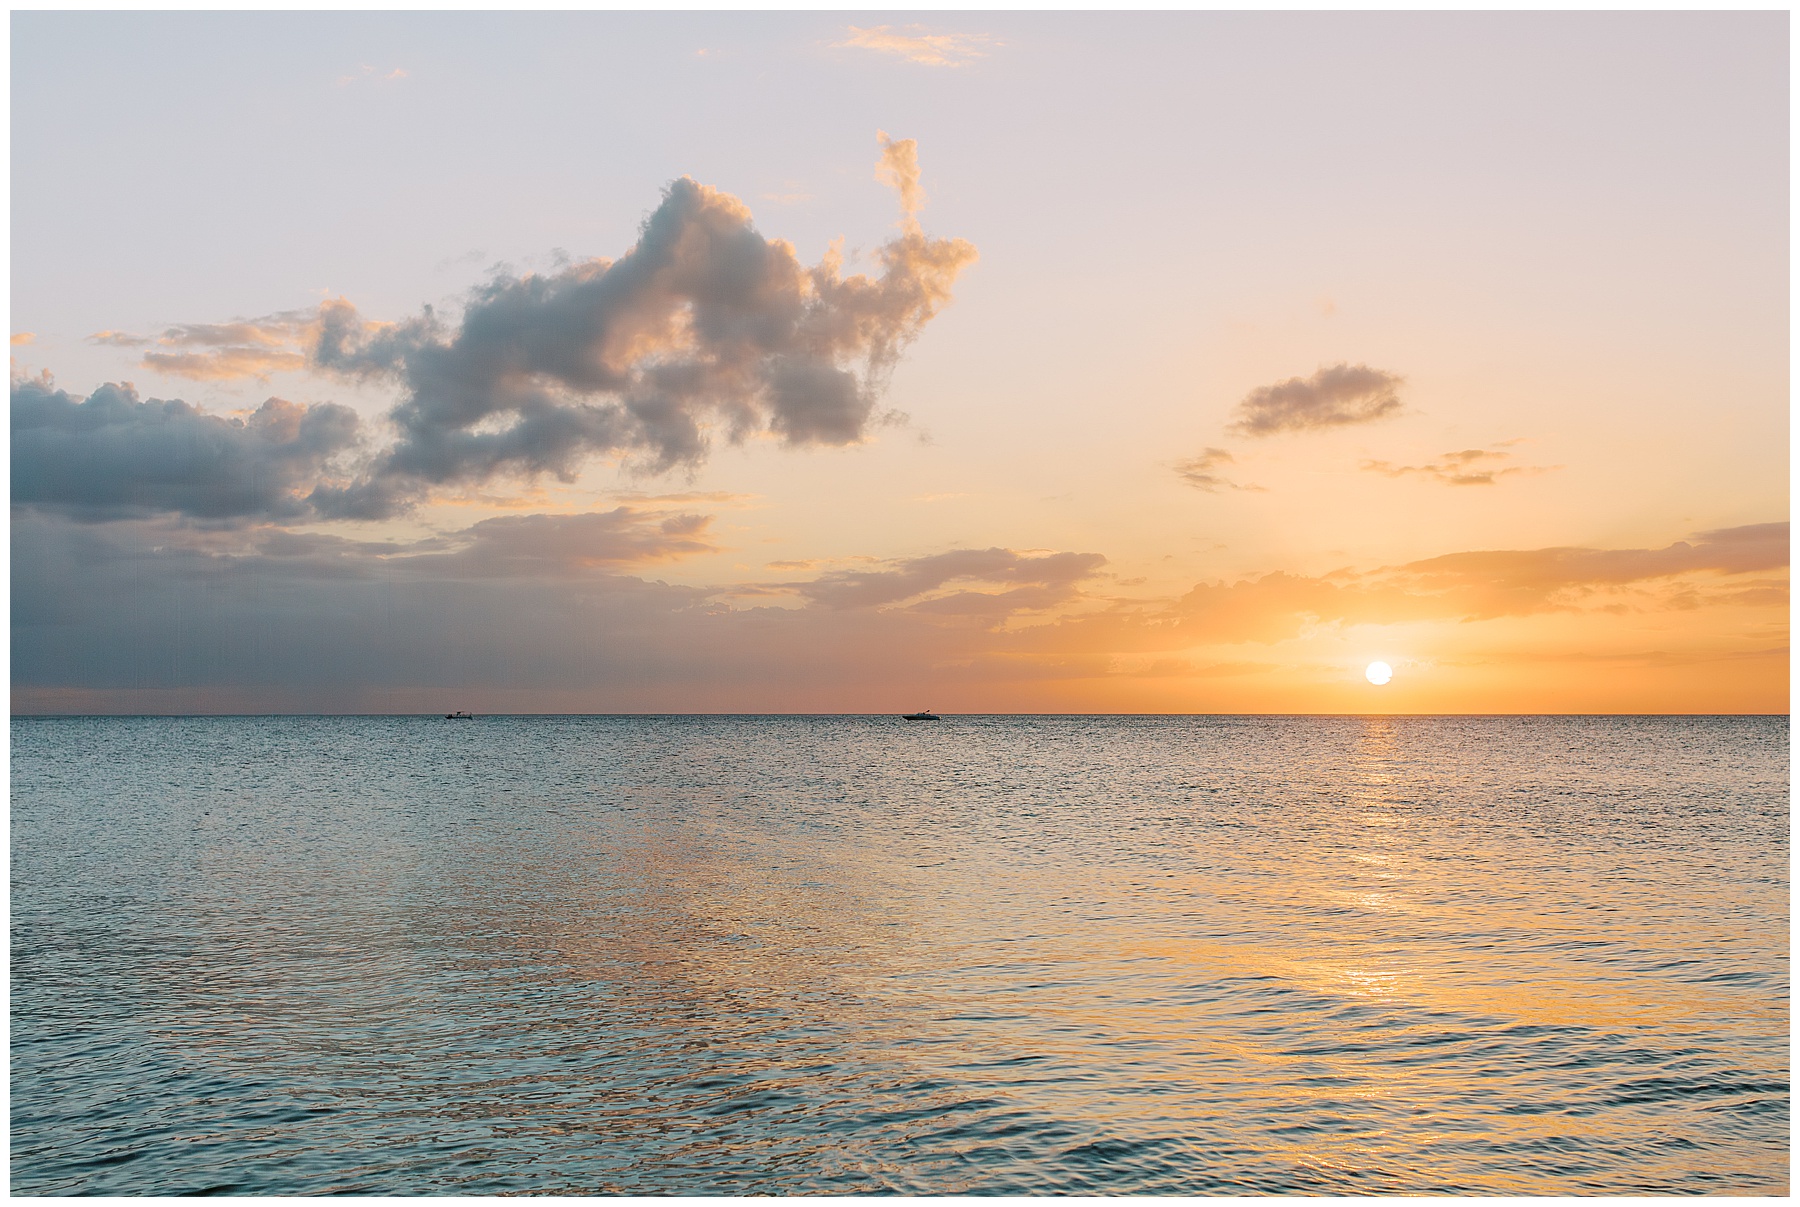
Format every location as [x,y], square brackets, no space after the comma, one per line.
[1379,673]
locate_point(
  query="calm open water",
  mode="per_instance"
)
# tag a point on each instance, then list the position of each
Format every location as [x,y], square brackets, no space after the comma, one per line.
[725,955]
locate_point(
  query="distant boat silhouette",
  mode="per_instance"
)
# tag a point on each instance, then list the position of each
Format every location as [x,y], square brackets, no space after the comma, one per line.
[459,716]
[925,715]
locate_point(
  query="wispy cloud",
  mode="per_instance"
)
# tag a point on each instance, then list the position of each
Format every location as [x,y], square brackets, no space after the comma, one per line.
[21,338]
[244,348]
[373,74]
[717,498]
[118,339]
[1027,581]
[1517,582]
[918,44]
[528,546]
[1333,397]
[1465,467]
[1201,472]
[225,364]
[899,170]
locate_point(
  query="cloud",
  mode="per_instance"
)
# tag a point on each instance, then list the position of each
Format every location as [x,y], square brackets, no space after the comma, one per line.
[557,545]
[540,613]
[704,327]
[1489,583]
[302,619]
[223,364]
[1334,396]
[1198,471]
[538,547]
[267,620]
[21,338]
[366,72]
[1453,588]
[1467,467]
[1486,584]
[723,498]
[224,351]
[112,454]
[1036,581]
[703,330]
[899,169]
[918,45]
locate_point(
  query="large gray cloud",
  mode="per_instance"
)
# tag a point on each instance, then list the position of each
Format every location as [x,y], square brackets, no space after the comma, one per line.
[703,330]
[113,455]
[703,327]
[1334,396]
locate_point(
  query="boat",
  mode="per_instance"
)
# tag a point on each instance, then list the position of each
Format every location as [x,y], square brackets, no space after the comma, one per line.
[922,715]
[459,716]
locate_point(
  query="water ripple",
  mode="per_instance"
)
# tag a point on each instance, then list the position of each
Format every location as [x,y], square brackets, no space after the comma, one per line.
[1030,955]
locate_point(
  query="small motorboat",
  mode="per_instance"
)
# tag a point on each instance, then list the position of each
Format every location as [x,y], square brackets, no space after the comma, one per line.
[922,715]
[459,716]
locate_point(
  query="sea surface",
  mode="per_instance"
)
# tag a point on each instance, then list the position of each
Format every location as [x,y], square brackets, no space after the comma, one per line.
[1020,955]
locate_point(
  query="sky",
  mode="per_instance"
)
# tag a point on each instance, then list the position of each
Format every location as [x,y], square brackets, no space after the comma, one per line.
[814,362]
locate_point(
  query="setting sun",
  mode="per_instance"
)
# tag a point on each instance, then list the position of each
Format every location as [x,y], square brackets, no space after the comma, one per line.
[1379,673]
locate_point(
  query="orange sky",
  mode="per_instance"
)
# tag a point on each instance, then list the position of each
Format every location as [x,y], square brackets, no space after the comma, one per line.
[1012,362]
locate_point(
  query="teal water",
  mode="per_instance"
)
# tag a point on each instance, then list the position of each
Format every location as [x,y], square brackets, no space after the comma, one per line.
[730,955]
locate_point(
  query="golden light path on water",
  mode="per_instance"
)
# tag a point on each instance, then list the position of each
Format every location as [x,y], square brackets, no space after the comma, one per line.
[739,955]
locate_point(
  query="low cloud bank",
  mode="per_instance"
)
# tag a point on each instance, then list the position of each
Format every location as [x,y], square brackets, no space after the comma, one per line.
[567,604]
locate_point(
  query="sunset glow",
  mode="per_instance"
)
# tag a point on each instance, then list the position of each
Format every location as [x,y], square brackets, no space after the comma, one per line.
[492,492]
[999,385]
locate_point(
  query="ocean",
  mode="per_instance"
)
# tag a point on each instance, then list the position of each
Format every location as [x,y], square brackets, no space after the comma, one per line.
[712,955]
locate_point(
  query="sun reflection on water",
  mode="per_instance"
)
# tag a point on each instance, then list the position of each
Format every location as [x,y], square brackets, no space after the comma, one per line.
[1375,954]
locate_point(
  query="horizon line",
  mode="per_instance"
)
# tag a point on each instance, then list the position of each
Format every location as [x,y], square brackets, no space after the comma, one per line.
[41,716]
